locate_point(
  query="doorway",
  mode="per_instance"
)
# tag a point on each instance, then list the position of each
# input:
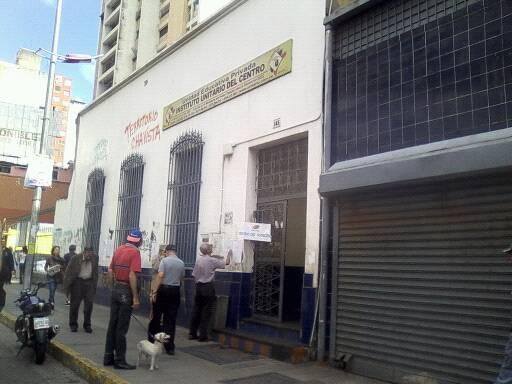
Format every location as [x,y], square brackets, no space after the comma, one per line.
[279,264]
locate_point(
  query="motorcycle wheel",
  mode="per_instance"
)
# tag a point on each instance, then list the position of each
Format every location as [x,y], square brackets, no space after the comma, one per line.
[40,351]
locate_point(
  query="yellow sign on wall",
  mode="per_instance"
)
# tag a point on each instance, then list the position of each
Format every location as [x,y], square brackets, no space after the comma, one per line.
[271,65]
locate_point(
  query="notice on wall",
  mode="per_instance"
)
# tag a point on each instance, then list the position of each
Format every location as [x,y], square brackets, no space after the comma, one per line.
[39,172]
[255,232]
[267,67]
[106,251]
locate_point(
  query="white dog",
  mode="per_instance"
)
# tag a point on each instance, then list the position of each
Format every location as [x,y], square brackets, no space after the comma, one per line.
[152,349]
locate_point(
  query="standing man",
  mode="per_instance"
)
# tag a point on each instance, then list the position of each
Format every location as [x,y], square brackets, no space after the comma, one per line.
[505,373]
[80,282]
[6,268]
[67,258]
[21,261]
[204,303]
[123,270]
[166,296]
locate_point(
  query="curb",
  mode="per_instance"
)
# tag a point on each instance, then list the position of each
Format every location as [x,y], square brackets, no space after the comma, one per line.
[85,368]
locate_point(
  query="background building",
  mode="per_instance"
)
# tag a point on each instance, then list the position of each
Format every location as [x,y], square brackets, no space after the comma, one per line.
[22,98]
[418,161]
[132,32]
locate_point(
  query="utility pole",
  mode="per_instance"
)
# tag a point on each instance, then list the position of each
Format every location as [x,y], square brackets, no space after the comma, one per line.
[36,200]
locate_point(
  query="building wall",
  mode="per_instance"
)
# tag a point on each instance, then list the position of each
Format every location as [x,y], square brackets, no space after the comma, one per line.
[245,122]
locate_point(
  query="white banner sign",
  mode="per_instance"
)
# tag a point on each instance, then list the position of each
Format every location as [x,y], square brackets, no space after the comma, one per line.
[255,232]
[39,173]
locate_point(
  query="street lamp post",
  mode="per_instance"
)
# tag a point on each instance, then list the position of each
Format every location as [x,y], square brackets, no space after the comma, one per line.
[36,200]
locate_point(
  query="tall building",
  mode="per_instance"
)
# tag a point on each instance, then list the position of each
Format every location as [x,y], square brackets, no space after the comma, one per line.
[132,32]
[22,99]
[60,103]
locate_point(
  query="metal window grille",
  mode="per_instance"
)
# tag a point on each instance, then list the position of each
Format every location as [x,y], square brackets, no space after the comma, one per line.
[183,192]
[389,19]
[282,170]
[130,196]
[93,209]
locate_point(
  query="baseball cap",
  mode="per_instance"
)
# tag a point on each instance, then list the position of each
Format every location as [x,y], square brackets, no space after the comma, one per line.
[134,236]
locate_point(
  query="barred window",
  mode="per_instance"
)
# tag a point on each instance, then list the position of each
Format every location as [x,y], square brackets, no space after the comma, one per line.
[93,209]
[183,192]
[130,196]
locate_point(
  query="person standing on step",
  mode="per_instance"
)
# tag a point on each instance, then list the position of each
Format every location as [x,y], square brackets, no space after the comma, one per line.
[204,302]
[165,296]
[80,282]
[123,271]
[54,267]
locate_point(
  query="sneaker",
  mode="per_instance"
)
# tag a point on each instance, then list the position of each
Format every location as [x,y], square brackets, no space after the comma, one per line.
[67,302]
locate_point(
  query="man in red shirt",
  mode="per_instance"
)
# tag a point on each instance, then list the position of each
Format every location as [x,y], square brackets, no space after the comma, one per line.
[123,270]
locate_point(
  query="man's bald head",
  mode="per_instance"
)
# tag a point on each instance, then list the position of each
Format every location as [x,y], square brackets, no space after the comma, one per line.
[205,248]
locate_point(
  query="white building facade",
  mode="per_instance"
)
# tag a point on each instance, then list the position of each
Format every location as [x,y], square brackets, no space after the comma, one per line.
[251,153]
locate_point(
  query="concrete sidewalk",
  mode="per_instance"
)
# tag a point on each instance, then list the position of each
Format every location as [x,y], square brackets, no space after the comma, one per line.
[193,362]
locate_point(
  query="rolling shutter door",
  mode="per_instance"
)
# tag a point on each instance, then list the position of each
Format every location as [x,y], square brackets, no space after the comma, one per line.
[422,285]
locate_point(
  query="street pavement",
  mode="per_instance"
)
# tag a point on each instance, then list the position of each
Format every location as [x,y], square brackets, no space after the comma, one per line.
[22,369]
[193,362]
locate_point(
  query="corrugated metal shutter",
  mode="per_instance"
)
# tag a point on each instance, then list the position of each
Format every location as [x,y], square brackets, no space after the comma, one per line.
[422,285]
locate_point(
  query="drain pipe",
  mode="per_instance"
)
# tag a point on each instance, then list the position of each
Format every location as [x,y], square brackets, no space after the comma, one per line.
[325,208]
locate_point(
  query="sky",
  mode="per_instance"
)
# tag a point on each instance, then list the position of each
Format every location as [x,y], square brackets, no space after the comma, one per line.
[29,24]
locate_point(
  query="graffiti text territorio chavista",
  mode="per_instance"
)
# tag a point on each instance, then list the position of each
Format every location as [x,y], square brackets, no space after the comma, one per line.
[143,130]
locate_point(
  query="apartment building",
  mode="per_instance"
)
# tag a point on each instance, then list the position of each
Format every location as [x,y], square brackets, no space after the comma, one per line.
[132,32]
[22,99]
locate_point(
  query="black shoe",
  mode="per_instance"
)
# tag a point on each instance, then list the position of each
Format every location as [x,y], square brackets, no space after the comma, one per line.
[203,339]
[124,365]
[74,329]
[170,352]
[108,360]
[88,329]
[192,337]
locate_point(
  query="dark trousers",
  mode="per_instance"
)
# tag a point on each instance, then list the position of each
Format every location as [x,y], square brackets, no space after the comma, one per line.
[81,290]
[2,295]
[204,304]
[167,304]
[120,312]
[22,272]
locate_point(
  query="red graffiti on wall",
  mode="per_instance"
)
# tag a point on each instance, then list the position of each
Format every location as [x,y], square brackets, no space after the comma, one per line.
[142,130]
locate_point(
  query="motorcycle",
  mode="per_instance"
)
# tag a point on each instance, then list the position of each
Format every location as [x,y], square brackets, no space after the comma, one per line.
[33,327]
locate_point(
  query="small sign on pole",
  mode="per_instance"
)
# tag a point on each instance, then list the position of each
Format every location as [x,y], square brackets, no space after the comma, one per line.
[39,172]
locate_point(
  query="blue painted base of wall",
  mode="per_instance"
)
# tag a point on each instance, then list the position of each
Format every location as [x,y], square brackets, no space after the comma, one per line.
[237,287]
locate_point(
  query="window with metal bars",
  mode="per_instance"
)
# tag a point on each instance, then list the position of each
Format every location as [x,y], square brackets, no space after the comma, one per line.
[130,196]
[183,192]
[93,209]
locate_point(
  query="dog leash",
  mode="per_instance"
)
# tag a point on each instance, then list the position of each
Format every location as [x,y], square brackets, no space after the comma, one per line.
[142,325]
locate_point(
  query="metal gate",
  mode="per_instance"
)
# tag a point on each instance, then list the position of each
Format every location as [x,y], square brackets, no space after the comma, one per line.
[130,196]
[183,193]
[282,174]
[422,286]
[269,263]
[93,209]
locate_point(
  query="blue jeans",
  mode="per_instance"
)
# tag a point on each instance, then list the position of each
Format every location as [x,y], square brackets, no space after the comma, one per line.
[505,374]
[52,287]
